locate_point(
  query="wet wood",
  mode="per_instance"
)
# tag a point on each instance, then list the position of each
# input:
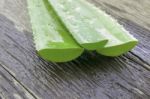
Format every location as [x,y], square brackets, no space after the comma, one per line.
[24,75]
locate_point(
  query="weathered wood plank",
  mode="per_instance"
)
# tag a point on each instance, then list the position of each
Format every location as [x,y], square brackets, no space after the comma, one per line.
[89,77]
[10,88]
[136,11]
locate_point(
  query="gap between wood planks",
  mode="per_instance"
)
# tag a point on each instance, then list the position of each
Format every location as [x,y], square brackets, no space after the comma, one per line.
[21,84]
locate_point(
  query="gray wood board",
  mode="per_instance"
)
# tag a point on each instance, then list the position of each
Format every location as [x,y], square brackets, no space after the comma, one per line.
[24,75]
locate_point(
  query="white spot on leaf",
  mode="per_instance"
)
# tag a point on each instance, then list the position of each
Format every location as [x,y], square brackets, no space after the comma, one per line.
[77,9]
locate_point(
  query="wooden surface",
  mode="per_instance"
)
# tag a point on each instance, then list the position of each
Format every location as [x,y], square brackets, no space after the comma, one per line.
[24,75]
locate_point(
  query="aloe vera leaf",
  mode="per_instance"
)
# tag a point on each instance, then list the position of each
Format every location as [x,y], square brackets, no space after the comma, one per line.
[80,22]
[120,41]
[51,38]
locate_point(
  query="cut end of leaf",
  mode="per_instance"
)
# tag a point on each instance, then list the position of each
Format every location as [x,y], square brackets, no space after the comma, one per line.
[118,50]
[94,46]
[60,55]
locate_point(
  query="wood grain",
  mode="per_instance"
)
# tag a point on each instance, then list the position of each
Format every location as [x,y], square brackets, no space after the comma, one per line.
[91,76]
[10,87]
[136,11]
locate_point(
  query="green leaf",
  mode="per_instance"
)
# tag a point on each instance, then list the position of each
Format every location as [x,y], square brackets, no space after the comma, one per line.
[120,40]
[91,26]
[81,23]
[52,40]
